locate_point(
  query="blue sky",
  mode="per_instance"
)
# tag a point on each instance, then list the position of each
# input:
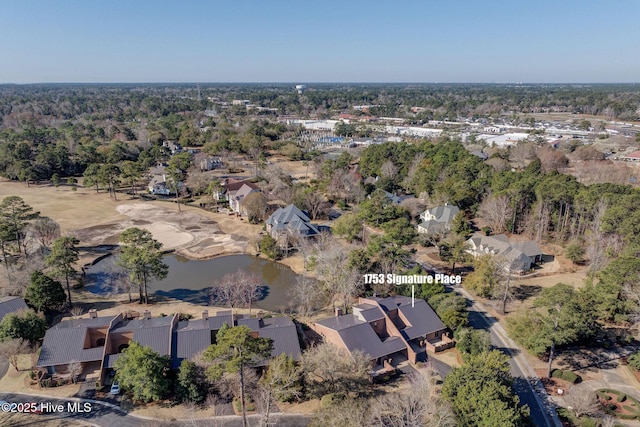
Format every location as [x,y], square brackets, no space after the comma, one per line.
[319,41]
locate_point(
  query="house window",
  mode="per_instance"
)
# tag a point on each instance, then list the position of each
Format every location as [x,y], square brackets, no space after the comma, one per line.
[122,347]
[100,342]
[375,324]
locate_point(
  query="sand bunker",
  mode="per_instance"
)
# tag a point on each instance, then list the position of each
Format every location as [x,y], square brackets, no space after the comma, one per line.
[190,233]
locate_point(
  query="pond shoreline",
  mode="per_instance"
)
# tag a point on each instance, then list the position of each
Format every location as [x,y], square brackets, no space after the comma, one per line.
[190,280]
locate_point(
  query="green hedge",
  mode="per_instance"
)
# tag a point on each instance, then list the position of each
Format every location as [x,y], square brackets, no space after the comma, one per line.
[556,373]
[572,377]
[633,406]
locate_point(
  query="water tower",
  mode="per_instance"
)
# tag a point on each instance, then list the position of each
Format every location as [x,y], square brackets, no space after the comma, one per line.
[301,88]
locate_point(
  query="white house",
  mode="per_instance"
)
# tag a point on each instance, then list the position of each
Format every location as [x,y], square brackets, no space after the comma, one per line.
[520,255]
[438,219]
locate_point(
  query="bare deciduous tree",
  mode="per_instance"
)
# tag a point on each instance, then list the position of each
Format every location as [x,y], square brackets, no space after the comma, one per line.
[117,279]
[389,170]
[307,296]
[315,204]
[349,286]
[250,290]
[75,370]
[582,401]
[76,311]
[255,204]
[331,267]
[12,349]
[235,290]
[496,212]
[329,369]
[421,406]
[415,206]
[551,160]
[522,153]
[413,169]
[45,231]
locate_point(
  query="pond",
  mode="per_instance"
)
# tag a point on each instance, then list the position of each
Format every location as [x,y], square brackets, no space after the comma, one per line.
[191,280]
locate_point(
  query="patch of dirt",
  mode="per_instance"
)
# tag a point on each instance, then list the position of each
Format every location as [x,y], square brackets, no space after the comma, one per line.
[553,385]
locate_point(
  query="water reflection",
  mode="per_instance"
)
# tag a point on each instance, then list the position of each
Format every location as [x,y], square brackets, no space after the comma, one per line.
[190,280]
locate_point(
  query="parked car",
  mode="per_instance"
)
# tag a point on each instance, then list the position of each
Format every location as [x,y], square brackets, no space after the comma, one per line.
[115,389]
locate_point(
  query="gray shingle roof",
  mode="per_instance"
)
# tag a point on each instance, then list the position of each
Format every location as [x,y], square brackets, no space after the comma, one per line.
[157,338]
[357,333]
[284,335]
[285,215]
[519,254]
[367,312]
[340,322]
[529,248]
[64,345]
[133,325]
[96,322]
[188,342]
[441,214]
[363,338]
[421,319]
[195,335]
[11,305]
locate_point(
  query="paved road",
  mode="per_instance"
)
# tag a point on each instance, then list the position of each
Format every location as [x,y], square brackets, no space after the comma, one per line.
[109,416]
[526,384]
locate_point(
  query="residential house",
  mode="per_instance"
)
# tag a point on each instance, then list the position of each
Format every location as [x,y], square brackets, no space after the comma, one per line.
[10,305]
[520,256]
[438,219]
[236,198]
[229,187]
[393,198]
[210,163]
[388,330]
[632,157]
[290,220]
[158,183]
[193,336]
[97,342]
[172,146]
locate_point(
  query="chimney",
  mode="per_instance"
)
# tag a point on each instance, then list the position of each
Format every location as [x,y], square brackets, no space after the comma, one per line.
[93,313]
[205,315]
[339,312]
[146,315]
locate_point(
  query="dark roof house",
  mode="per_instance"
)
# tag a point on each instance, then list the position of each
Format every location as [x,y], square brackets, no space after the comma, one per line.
[383,327]
[101,340]
[290,220]
[10,305]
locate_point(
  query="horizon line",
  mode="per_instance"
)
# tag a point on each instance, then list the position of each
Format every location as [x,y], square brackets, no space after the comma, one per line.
[522,83]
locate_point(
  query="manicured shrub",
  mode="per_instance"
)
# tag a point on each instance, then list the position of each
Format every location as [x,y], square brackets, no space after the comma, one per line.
[572,377]
[556,373]
[634,360]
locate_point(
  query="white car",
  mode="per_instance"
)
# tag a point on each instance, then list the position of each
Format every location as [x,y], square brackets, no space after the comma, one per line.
[115,389]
